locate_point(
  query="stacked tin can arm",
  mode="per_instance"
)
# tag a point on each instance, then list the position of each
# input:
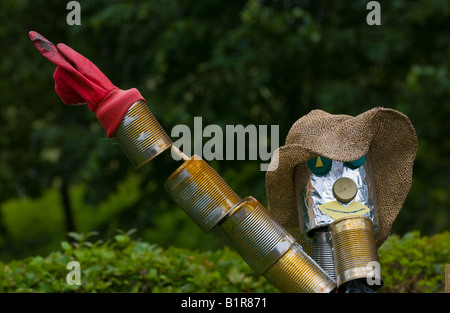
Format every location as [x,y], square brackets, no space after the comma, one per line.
[197,188]
[266,246]
[207,199]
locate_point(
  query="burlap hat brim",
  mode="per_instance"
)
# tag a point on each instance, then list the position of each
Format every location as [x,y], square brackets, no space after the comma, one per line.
[385,136]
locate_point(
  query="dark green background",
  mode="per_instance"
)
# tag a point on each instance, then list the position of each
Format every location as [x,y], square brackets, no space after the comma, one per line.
[230,62]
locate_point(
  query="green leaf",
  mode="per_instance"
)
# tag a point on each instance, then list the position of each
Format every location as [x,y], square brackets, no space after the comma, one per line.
[66,246]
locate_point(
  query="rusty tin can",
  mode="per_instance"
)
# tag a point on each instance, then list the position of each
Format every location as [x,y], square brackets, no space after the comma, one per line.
[354,249]
[297,272]
[201,193]
[258,238]
[140,135]
[272,251]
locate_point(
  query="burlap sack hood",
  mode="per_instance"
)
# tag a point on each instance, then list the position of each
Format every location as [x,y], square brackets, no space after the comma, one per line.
[385,136]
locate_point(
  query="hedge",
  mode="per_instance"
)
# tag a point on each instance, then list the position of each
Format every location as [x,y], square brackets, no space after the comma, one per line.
[411,263]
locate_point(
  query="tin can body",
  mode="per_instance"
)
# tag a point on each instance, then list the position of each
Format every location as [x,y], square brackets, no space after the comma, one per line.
[322,252]
[354,249]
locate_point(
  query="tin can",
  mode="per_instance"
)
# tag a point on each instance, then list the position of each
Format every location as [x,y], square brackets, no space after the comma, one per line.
[322,252]
[140,135]
[201,193]
[297,272]
[258,238]
[313,191]
[354,249]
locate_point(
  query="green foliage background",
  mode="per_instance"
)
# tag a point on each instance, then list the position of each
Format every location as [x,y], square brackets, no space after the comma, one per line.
[412,263]
[236,62]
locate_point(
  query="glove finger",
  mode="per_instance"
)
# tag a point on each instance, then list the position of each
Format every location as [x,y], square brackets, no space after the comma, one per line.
[89,91]
[67,94]
[49,51]
[70,60]
[85,66]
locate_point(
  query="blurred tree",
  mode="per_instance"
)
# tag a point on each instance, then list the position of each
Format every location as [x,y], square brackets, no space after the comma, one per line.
[254,62]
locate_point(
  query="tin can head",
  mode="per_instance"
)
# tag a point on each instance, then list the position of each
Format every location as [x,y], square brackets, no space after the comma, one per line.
[341,191]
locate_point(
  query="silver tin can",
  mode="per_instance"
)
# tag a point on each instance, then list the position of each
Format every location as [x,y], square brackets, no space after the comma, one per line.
[316,190]
[322,252]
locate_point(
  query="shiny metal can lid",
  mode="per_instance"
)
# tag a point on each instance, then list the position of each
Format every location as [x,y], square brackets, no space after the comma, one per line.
[344,189]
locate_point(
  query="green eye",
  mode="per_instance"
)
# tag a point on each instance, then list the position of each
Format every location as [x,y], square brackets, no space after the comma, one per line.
[357,163]
[319,165]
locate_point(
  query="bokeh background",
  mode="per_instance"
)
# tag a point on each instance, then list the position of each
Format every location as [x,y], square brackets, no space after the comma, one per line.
[264,62]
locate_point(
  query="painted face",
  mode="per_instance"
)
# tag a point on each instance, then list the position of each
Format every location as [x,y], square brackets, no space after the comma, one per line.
[329,190]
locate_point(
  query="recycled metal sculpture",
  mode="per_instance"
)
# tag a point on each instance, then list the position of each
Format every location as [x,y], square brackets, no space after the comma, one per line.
[334,189]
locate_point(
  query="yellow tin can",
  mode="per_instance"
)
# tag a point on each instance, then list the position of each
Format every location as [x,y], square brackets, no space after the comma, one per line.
[271,251]
[140,135]
[258,238]
[201,193]
[297,272]
[354,249]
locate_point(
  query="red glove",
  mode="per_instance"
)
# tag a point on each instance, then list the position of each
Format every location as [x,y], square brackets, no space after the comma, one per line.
[78,80]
